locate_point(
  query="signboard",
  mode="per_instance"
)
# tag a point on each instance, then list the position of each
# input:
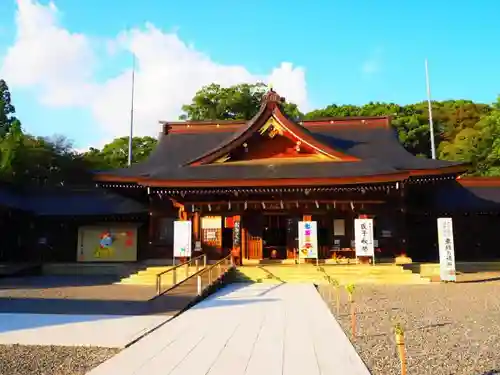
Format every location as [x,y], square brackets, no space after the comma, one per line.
[446,249]
[308,239]
[182,238]
[211,222]
[339,227]
[236,233]
[107,243]
[363,238]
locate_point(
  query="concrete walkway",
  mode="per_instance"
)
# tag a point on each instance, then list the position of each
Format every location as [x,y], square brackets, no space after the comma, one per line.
[253,329]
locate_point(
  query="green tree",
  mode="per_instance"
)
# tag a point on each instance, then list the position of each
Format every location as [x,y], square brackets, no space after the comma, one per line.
[487,153]
[7,109]
[115,154]
[11,145]
[412,121]
[239,102]
[40,161]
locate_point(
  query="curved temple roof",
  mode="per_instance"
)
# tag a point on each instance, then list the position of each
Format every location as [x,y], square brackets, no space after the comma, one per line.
[362,149]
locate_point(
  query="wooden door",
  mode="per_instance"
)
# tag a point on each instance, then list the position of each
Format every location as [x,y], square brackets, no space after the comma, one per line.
[325,234]
[254,225]
[292,234]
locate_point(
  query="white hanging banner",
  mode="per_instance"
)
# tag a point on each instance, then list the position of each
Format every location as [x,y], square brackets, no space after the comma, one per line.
[182,238]
[308,239]
[363,238]
[447,269]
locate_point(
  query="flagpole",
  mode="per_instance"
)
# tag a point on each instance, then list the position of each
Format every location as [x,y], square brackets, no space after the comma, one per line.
[131,112]
[431,123]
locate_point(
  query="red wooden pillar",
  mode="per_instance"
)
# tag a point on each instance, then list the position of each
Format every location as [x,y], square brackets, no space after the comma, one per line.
[196,226]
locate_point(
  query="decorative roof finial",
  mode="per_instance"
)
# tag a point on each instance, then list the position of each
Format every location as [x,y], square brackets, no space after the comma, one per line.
[271,96]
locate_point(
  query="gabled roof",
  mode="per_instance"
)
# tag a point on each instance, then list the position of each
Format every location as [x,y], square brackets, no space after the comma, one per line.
[270,109]
[361,149]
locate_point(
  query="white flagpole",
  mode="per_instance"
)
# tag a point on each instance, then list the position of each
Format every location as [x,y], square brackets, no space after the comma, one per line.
[431,123]
[131,113]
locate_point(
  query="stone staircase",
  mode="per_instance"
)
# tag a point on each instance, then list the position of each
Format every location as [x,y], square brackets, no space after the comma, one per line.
[345,274]
[148,276]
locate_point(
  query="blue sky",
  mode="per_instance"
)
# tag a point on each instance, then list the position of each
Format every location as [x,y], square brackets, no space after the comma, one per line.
[352,51]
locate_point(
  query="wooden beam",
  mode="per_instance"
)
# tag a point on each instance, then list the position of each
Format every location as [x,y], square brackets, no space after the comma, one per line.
[285,202]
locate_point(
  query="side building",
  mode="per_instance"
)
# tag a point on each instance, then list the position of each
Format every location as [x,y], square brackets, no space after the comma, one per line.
[71,225]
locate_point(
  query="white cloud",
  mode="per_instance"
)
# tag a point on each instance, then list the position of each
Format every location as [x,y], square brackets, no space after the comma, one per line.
[60,67]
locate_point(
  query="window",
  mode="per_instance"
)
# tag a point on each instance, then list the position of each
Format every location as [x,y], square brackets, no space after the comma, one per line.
[165,230]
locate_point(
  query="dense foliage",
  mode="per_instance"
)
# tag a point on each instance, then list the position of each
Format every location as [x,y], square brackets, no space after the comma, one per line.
[464,131]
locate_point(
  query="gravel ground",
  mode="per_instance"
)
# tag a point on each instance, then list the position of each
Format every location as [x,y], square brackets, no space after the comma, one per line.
[51,360]
[450,329]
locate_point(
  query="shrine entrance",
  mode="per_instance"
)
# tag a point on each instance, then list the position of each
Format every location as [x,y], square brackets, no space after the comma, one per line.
[274,237]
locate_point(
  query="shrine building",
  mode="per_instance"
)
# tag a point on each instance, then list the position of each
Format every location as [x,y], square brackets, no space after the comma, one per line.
[245,185]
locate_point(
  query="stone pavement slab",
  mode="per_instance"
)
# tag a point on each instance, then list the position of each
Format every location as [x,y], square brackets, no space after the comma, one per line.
[110,331]
[253,329]
[76,311]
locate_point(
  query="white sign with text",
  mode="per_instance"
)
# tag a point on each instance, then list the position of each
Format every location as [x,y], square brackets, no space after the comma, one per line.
[447,269]
[363,237]
[182,238]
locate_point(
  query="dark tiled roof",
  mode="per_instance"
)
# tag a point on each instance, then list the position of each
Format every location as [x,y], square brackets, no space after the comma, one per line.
[377,143]
[172,151]
[379,148]
[91,202]
[454,197]
[9,199]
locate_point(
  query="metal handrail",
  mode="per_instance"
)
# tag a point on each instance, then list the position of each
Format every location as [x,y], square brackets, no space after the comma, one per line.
[173,269]
[220,268]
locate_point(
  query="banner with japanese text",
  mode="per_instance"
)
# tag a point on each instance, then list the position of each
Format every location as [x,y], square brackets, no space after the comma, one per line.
[308,239]
[363,237]
[446,249]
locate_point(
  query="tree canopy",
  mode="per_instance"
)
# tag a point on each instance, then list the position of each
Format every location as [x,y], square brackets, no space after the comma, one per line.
[115,154]
[239,102]
[7,109]
[464,131]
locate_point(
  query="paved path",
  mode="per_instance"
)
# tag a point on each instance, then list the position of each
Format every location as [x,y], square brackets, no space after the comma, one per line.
[254,329]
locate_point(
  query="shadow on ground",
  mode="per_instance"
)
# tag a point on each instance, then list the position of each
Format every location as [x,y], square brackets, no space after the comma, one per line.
[87,301]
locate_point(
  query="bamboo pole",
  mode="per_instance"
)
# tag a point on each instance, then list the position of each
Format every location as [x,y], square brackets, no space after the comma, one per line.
[400,342]
[350,290]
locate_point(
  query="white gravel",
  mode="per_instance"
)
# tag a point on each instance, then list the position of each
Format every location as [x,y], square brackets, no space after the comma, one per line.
[51,360]
[450,329]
